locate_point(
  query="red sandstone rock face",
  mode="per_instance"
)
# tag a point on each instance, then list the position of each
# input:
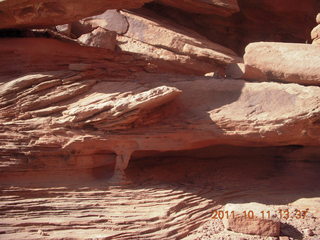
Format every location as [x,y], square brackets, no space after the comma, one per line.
[67,111]
[41,54]
[75,115]
[31,13]
[216,7]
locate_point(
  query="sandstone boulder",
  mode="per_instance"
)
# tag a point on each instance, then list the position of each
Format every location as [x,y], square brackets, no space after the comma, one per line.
[111,20]
[251,218]
[99,38]
[32,13]
[316,42]
[285,62]
[217,7]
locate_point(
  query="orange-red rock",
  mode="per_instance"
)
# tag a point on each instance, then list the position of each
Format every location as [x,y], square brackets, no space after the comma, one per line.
[34,13]
[43,54]
[216,7]
[251,218]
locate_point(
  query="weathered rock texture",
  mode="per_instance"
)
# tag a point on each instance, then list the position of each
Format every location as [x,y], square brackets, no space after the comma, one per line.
[42,54]
[263,20]
[112,98]
[115,110]
[32,13]
[156,38]
[216,7]
[286,62]
[192,185]
[100,38]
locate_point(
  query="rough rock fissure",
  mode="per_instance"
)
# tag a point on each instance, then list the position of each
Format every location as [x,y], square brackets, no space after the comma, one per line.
[122,162]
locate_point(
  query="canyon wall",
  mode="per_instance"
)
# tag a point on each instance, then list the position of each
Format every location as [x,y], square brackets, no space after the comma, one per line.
[106,89]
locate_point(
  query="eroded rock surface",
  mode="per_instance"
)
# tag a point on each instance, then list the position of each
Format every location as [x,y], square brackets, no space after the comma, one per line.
[31,13]
[286,62]
[159,39]
[100,38]
[165,199]
[264,20]
[74,114]
[216,7]
[110,106]
[104,103]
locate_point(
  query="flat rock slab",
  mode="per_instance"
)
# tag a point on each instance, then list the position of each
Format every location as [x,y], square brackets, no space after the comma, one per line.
[285,62]
[157,38]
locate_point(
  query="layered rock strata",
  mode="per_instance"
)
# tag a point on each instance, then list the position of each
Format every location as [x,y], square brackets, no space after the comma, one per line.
[31,13]
[155,38]
[112,98]
[64,111]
